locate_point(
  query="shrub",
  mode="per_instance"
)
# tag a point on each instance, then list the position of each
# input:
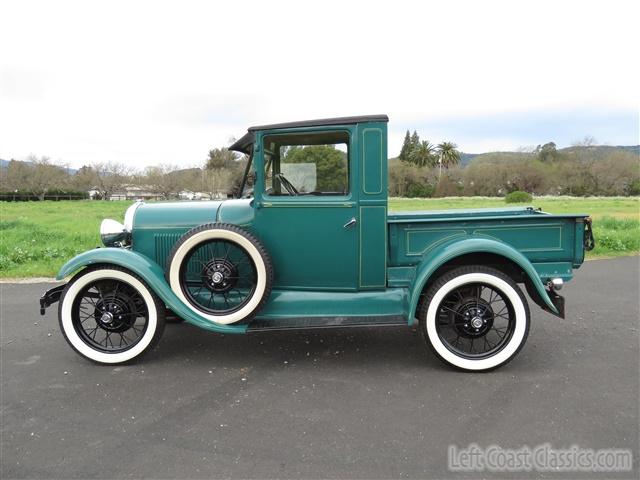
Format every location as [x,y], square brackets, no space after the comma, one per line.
[5,262]
[634,188]
[518,197]
[417,190]
[403,176]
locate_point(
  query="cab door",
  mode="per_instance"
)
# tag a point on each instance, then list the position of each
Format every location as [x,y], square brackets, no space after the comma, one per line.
[306,207]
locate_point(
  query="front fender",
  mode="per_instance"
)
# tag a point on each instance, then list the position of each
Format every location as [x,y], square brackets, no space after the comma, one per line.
[459,247]
[152,274]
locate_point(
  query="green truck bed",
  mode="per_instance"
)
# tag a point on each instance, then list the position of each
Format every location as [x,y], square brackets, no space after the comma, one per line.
[553,243]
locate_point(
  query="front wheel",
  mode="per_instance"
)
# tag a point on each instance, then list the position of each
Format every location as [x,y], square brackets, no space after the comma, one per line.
[475,318]
[110,316]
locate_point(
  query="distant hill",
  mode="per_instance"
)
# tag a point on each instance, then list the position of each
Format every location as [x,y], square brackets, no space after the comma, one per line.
[5,164]
[466,158]
[603,149]
[594,152]
[185,171]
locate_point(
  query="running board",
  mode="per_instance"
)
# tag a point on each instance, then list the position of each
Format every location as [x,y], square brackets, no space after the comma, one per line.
[304,323]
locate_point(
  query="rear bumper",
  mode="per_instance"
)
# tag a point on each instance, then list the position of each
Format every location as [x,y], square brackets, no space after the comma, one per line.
[50,297]
[558,302]
[552,294]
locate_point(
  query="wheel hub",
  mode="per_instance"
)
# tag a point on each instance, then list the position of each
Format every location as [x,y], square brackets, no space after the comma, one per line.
[219,275]
[473,318]
[106,318]
[114,314]
[477,322]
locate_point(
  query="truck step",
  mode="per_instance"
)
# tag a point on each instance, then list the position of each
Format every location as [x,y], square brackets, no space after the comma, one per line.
[300,323]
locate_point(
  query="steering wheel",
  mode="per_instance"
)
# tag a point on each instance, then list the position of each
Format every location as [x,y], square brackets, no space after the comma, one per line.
[288,186]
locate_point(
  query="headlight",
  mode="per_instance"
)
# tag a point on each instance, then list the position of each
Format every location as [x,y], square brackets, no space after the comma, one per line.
[112,233]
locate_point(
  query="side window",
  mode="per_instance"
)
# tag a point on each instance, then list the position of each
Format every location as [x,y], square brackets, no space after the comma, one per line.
[307,164]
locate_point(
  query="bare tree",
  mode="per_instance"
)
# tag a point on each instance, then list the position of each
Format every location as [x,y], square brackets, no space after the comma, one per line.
[217,182]
[44,176]
[587,141]
[85,178]
[15,176]
[190,179]
[111,176]
[164,180]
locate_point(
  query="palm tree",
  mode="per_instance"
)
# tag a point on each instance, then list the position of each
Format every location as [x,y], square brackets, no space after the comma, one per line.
[423,154]
[448,155]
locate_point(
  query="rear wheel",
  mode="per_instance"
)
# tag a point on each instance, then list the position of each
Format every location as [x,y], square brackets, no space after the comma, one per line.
[110,316]
[475,318]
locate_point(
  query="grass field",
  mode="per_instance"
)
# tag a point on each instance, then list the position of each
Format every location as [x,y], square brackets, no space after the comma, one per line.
[38,237]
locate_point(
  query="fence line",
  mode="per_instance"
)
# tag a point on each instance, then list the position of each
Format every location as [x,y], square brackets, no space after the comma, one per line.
[22,197]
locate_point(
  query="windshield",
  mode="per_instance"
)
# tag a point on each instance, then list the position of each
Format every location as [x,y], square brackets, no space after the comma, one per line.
[248,179]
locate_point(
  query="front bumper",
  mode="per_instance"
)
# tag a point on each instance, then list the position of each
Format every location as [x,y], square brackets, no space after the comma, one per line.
[50,297]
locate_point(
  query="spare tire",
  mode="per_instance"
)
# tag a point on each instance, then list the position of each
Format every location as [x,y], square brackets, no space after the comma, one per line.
[221,272]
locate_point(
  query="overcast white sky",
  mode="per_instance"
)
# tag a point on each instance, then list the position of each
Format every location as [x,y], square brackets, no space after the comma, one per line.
[163,82]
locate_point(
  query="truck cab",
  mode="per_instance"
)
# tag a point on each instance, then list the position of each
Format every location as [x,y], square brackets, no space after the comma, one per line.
[309,243]
[322,216]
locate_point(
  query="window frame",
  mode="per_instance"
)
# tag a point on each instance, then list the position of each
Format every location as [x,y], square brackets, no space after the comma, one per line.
[347,129]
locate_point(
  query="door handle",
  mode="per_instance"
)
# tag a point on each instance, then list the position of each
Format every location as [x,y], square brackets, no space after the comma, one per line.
[350,223]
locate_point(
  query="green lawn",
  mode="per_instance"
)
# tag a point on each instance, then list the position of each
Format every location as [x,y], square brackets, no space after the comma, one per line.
[38,237]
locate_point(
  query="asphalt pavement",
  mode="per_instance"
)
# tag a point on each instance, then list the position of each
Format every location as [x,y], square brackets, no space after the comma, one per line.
[356,403]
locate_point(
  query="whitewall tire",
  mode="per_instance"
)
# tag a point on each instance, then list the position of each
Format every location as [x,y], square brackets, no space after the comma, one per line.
[108,315]
[475,318]
[221,272]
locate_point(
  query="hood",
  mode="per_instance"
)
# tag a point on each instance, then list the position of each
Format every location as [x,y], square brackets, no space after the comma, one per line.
[183,215]
[189,214]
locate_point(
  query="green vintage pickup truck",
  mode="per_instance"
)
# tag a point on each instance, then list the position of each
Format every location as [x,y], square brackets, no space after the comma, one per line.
[309,243]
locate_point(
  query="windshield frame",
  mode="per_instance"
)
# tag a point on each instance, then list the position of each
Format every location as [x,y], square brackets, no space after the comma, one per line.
[245,176]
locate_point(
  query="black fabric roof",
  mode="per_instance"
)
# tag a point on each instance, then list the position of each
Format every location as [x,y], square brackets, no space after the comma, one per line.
[323,121]
[244,144]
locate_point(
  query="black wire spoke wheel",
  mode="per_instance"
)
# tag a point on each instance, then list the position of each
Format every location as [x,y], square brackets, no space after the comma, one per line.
[110,315]
[475,321]
[218,276]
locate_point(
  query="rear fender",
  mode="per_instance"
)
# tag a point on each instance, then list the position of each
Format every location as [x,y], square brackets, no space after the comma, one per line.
[456,248]
[152,274]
